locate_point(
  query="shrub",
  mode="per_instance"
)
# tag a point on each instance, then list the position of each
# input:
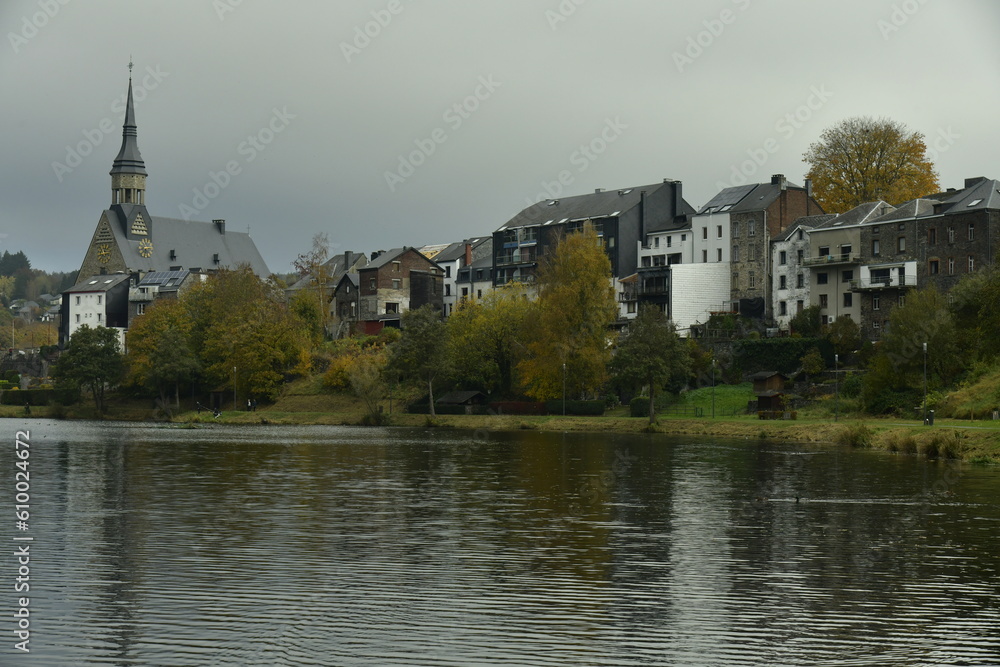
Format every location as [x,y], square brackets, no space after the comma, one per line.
[577,408]
[855,435]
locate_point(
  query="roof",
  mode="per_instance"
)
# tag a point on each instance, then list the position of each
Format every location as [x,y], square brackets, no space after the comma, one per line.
[194,244]
[915,208]
[743,198]
[764,375]
[335,268]
[434,251]
[164,279]
[459,397]
[128,160]
[602,204]
[100,283]
[456,251]
[391,255]
[805,222]
[352,278]
[979,193]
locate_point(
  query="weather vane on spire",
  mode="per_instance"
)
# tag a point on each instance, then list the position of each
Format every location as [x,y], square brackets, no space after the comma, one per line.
[130,65]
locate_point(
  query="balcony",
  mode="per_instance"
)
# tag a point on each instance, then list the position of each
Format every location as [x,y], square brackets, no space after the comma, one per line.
[831,260]
[141,295]
[881,283]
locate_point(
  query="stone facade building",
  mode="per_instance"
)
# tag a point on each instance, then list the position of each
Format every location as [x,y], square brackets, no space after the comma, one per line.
[393,282]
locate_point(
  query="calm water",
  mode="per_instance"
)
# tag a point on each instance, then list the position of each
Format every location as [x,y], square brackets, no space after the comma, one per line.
[340,546]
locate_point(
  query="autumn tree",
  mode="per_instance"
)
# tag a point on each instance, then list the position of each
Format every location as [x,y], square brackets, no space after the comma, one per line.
[487,339]
[569,332]
[160,356]
[314,267]
[864,159]
[240,322]
[93,361]
[806,322]
[421,353]
[844,334]
[650,354]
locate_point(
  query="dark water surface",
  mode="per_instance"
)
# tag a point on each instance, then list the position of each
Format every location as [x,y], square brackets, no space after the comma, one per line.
[342,546]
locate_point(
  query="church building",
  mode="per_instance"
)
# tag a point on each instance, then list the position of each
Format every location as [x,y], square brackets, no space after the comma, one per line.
[130,240]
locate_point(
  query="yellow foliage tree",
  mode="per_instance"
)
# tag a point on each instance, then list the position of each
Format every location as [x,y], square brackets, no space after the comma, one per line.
[569,340]
[864,159]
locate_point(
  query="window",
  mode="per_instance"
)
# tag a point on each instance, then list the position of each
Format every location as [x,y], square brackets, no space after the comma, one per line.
[736,253]
[824,251]
[902,300]
[704,232]
[782,308]
[848,299]
[782,257]
[736,278]
[800,305]
[875,248]
[972,231]
[951,235]
[704,256]
[395,267]
[670,241]
[821,278]
[78,301]
[78,316]
[396,283]
[876,325]
[99,299]
[465,292]
[751,228]
[98,317]
[845,250]
[823,303]
[631,307]
[684,238]
[846,276]
[932,267]
[931,236]
[718,252]
[447,290]
[718,231]
[901,244]
[447,271]
[798,255]
[659,260]
[972,263]
[140,309]
[371,284]
[646,261]
[479,294]
[902,226]
[656,241]
[825,320]
[753,253]
[876,303]
[951,266]
[782,282]
[800,281]
[753,280]
[736,229]
[391,307]
[800,235]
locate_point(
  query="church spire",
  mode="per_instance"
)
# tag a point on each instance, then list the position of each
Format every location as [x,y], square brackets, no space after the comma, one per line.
[128,173]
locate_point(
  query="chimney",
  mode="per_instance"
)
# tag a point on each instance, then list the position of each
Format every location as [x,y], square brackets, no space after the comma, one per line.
[809,187]
[347,260]
[468,254]
[220,225]
[969,182]
[678,188]
[598,191]
[780,181]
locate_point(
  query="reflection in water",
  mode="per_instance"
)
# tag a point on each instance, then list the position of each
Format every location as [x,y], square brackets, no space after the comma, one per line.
[339,546]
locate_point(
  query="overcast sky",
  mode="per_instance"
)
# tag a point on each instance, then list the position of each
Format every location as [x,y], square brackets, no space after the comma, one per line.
[311,125]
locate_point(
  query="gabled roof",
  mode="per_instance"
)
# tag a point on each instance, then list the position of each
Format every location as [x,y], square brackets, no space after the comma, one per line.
[915,208]
[808,222]
[101,283]
[335,268]
[392,255]
[194,244]
[602,204]
[456,251]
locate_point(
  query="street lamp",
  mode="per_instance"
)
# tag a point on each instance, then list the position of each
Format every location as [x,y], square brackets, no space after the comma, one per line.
[234,389]
[836,386]
[564,389]
[925,382]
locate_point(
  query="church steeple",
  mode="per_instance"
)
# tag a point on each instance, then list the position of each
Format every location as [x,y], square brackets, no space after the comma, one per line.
[128,173]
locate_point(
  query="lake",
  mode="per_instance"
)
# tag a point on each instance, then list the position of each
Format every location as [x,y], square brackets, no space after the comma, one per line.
[316,545]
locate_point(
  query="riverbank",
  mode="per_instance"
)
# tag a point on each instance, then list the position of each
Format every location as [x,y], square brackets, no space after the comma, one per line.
[977,442]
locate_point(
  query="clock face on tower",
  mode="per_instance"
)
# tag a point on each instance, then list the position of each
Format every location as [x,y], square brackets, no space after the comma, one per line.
[146,248]
[103,253]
